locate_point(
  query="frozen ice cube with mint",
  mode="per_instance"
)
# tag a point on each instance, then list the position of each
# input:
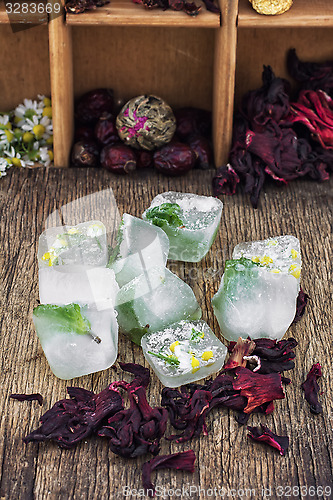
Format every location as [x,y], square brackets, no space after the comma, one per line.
[77,340]
[190,221]
[140,246]
[255,300]
[62,285]
[81,245]
[154,300]
[183,352]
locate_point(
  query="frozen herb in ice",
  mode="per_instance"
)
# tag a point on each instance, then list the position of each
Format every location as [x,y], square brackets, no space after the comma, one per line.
[183,352]
[189,220]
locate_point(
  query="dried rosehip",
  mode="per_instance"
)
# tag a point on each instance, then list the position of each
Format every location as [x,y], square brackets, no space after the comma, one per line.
[203,151]
[106,131]
[174,158]
[93,104]
[85,153]
[144,159]
[118,158]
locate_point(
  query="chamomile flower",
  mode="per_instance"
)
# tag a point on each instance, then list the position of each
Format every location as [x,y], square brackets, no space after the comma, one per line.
[45,156]
[40,127]
[27,110]
[15,159]
[4,122]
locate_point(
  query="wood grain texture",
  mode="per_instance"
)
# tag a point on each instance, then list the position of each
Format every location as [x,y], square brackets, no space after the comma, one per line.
[24,65]
[225,458]
[224,81]
[61,73]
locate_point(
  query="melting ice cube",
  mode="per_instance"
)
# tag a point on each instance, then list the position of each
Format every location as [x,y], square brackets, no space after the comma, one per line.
[81,245]
[154,300]
[259,288]
[140,246]
[190,221]
[183,352]
[76,340]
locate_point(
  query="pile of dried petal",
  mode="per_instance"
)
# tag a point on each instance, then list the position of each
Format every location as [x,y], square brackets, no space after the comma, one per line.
[274,138]
[189,8]
[302,300]
[71,420]
[79,6]
[236,387]
[311,389]
[138,429]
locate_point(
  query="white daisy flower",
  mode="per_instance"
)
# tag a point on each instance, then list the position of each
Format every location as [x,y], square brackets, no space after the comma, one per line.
[4,120]
[26,110]
[15,159]
[42,128]
[45,156]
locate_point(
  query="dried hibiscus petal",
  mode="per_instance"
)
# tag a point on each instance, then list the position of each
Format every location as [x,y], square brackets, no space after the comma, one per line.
[28,397]
[311,389]
[243,347]
[312,75]
[71,420]
[264,435]
[257,388]
[225,180]
[182,461]
[302,300]
[138,429]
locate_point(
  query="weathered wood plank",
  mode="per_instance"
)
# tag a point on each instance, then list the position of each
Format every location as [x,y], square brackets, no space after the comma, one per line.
[225,458]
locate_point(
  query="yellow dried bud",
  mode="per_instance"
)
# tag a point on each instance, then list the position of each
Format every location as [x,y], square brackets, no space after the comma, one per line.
[271,7]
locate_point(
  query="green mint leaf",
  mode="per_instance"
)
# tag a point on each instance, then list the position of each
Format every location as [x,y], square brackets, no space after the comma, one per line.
[68,318]
[165,214]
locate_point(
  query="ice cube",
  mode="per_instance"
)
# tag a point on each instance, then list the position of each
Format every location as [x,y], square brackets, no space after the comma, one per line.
[183,352]
[154,300]
[81,245]
[278,254]
[140,246]
[190,221]
[69,338]
[254,300]
[62,285]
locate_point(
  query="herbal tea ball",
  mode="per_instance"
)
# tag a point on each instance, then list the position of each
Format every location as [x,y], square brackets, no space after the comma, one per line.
[271,7]
[146,122]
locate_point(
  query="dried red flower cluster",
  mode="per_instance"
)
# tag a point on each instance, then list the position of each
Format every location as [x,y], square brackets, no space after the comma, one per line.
[276,138]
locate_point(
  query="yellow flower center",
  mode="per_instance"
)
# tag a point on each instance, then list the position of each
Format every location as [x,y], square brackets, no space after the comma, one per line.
[47,111]
[195,363]
[207,355]
[51,155]
[28,137]
[47,101]
[173,345]
[38,130]
[49,140]
[16,162]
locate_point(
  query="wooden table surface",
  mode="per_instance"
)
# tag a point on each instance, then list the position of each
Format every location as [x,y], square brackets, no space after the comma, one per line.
[226,459]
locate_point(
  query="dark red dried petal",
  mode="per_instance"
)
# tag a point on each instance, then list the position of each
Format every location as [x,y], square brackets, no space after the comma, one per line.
[311,389]
[243,347]
[181,461]
[302,300]
[225,180]
[28,397]
[264,435]
[257,388]
[142,374]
